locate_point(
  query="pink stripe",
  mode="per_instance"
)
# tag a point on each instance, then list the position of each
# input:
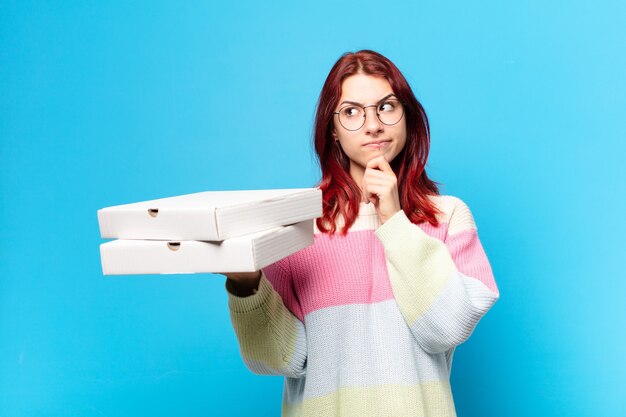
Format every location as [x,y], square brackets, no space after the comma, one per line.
[280,279]
[334,271]
[438,232]
[469,257]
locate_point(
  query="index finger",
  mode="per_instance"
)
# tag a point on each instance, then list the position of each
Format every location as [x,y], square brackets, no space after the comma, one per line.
[380,163]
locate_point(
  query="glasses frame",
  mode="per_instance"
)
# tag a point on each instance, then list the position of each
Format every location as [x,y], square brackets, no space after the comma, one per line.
[393,98]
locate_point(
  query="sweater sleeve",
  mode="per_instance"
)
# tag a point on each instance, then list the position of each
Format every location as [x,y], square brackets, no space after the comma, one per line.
[442,289]
[271,338]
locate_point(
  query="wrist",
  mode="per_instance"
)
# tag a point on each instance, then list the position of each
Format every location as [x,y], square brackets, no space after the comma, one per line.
[389,215]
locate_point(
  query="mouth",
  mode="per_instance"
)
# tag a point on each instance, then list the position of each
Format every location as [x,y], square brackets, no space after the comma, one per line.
[377,144]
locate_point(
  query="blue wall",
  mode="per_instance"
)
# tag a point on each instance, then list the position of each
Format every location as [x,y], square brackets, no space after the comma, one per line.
[104,103]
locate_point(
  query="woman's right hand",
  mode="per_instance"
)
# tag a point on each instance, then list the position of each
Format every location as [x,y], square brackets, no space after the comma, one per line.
[244,284]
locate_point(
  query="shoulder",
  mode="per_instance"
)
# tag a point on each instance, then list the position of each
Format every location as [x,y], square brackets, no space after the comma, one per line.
[454,212]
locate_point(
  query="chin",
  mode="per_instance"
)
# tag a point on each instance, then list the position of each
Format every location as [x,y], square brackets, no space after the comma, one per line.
[390,155]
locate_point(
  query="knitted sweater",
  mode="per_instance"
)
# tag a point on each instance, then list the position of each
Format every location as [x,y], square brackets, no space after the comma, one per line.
[366,324]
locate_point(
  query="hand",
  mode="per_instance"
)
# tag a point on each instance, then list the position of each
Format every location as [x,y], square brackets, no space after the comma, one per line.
[380,187]
[243,284]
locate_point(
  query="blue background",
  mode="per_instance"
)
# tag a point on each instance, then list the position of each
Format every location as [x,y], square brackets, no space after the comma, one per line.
[104,103]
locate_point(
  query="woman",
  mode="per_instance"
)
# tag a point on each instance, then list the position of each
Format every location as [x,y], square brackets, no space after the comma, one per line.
[365,321]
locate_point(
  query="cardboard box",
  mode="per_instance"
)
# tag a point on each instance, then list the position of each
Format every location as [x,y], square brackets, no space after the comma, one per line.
[240,254]
[211,215]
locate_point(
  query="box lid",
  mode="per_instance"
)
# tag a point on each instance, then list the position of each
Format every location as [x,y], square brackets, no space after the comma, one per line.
[210,215]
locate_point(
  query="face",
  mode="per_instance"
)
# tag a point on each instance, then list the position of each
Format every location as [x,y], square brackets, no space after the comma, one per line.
[374,137]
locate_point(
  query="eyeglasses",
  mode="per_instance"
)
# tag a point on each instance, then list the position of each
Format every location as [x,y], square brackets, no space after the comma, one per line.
[352,116]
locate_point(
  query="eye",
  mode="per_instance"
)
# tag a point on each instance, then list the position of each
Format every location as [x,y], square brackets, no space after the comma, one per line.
[387,106]
[350,111]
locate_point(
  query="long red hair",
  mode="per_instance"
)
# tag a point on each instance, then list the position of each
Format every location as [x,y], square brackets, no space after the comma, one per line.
[341,195]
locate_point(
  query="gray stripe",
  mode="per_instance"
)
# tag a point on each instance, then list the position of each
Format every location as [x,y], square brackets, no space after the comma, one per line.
[293,390]
[364,345]
[453,316]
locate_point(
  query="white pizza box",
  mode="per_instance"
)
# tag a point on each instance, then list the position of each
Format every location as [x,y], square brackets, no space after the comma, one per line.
[210,215]
[239,254]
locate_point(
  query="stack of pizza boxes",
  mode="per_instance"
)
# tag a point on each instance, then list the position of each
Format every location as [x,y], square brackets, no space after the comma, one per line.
[208,232]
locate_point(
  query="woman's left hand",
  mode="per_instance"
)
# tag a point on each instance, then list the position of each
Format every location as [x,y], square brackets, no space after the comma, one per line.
[380,187]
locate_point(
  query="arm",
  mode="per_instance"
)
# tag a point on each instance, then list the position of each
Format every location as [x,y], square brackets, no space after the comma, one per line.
[442,289]
[271,338]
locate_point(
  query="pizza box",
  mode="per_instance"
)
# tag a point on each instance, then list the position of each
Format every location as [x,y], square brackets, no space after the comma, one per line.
[239,254]
[210,215]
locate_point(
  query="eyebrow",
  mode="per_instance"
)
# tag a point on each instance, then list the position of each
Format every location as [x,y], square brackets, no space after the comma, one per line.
[359,104]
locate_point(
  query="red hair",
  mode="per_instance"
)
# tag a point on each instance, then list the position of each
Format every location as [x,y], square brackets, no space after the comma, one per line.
[341,195]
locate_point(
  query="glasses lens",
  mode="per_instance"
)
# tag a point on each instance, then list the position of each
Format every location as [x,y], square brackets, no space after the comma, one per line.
[351,117]
[390,112]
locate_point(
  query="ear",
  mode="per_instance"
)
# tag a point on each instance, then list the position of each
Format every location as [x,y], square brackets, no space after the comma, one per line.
[334,133]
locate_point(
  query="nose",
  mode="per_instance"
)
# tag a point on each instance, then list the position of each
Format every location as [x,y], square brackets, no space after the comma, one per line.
[373,126]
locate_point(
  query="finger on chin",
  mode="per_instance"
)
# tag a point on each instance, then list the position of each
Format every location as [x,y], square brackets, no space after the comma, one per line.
[379,162]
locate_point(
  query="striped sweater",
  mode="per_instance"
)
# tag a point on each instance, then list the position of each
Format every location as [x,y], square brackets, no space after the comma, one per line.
[366,324]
